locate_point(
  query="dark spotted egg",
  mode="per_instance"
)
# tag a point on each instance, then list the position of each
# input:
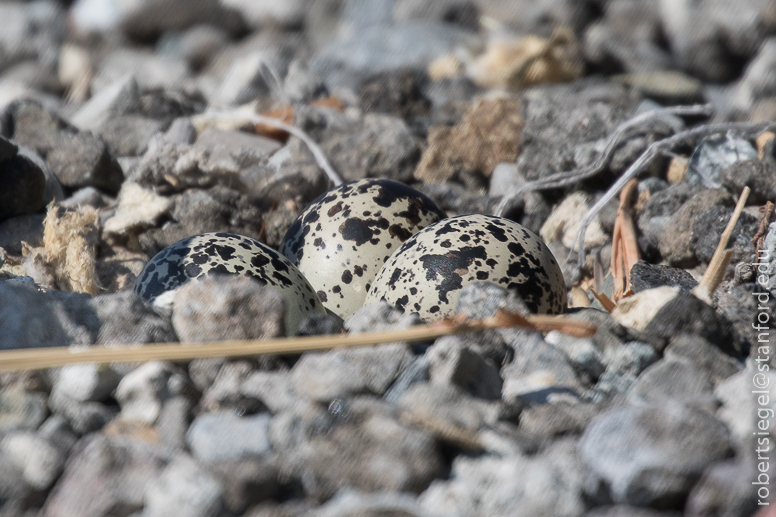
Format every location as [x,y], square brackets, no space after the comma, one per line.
[345,236]
[427,274]
[227,253]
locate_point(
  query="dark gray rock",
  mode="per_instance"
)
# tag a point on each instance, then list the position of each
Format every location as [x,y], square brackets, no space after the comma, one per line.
[564,122]
[707,230]
[399,94]
[129,135]
[22,184]
[84,160]
[230,307]
[329,450]
[183,488]
[315,324]
[27,319]
[59,433]
[83,417]
[247,482]
[644,275]
[651,456]
[742,304]
[655,215]
[686,314]
[561,418]
[717,365]
[674,241]
[452,362]
[759,176]
[27,228]
[724,489]
[150,19]
[125,319]
[417,371]
[226,394]
[105,475]
[223,435]
[624,366]
[713,155]
[673,380]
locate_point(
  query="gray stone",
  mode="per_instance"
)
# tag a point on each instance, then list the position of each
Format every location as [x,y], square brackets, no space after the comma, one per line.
[104,476]
[273,389]
[514,485]
[449,406]
[560,418]
[584,353]
[27,320]
[232,307]
[21,409]
[142,392]
[120,98]
[39,461]
[651,456]
[713,155]
[151,70]
[27,228]
[717,365]
[247,482]
[83,417]
[82,160]
[538,372]
[59,433]
[316,324]
[197,45]
[150,19]
[654,217]
[707,230]
[452,362]
[183,488]
[173,421]
[758,81]
[740,405]
[399,94]
[87,382]
[645,276]
[382,48]
[758,175]
[353,502]
[673,380]
[459,12]
[125,319]
[358,444]
[484,299]
[223,436]
[87,196]
[31,32]
[13,489]
[417,371]
[725,489]
[324,376]
[674,241]
[379,316]
[624,365]
[622,510]
[226,394]
[22,185]
[129,135]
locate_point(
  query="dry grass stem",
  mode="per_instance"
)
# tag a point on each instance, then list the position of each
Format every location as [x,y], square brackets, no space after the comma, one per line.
[604,300]
[714,274]
[625,246]
[33,359]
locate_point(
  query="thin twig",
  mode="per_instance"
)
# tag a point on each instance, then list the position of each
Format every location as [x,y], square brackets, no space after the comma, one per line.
[566,178]
[745,129]
[38,358]
[625,248]
[762,229]
[253,118]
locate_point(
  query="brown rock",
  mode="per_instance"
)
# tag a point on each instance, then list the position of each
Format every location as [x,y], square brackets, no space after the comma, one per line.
[488,135]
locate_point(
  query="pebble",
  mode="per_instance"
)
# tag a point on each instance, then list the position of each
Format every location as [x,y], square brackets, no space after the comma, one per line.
[39,461]
[274,389]
[707,230]
[27,228]
[142,392]
[737,402]
[644,276]
[225,436]
[726,488]
[183,488]
[758,175]
[651,456]
[173,421]
[21,409]
[87,382]
[673,380]
[94,484]
[713,155]
[561,418]
[82,417]
[710,359]
[248,482]
[225,308]
[451,362]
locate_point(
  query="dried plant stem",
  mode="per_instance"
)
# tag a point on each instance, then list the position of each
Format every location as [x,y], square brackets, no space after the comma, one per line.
[721,258]
[253,118]
[38,358]
[762,229]
[744,129]
[625,247]
[604,300]
[567,178]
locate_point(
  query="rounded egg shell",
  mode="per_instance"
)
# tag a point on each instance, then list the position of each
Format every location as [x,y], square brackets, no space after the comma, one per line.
[345,236]
[227,253]
[427,274]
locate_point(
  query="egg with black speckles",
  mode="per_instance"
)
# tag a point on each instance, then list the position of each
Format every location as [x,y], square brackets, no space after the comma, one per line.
[343,238]
[227,253]
[427,274]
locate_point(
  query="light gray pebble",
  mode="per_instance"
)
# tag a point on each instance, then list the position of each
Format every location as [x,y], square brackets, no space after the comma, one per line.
[223,435]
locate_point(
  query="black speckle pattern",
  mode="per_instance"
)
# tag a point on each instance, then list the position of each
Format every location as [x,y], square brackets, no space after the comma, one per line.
[426,275]
[343,238]
[226,253]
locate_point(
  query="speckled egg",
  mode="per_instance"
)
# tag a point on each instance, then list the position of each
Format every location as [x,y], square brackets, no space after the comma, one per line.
[227,253]
[427,274]
[345,236]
